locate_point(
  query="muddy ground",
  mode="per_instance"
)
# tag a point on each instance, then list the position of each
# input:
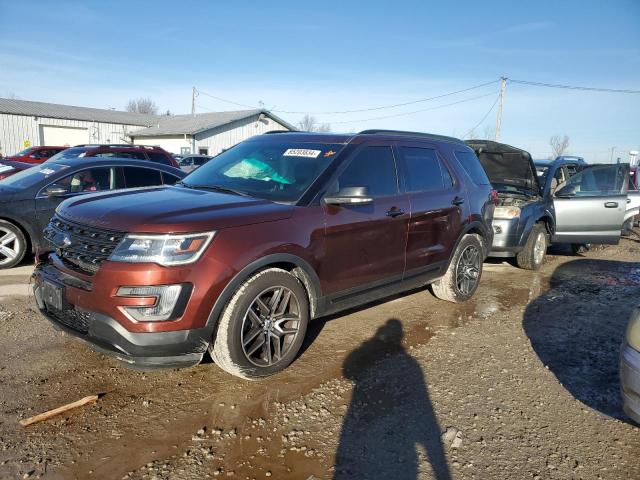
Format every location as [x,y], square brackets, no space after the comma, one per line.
[520,382]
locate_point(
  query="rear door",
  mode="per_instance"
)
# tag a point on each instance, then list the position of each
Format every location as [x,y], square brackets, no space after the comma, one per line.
[436,206]
[590,207]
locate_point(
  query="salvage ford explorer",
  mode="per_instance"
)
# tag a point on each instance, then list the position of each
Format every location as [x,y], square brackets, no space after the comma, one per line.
[282,228]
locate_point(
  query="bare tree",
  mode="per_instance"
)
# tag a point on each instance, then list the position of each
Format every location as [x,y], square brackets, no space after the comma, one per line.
[310,124]
[489,132]
[559,145]
[142,105]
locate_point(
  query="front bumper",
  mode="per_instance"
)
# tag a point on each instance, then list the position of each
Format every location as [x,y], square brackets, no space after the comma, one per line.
[106,334]
[630,381]
[506,238]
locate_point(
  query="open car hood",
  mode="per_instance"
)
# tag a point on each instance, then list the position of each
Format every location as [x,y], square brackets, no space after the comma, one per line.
[506,165]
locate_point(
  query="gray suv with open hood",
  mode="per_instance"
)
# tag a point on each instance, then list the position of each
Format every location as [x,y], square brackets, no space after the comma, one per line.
[588,207]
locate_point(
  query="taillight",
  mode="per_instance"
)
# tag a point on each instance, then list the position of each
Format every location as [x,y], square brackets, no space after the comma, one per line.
[494,197]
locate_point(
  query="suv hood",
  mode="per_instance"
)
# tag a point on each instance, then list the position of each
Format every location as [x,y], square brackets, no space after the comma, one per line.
[506,165]
[169,210]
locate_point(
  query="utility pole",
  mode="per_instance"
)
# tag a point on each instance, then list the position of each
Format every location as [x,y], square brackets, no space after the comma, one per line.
[611,159]
[503,88]
[194,94]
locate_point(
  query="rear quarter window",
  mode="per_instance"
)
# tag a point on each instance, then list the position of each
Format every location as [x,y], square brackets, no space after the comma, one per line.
[159,158]
[472,166]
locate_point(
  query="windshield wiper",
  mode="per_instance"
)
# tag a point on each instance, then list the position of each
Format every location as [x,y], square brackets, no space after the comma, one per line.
[215,188]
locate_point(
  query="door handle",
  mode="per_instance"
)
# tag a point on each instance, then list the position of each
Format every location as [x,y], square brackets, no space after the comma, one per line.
[610,204]
[395,212]
[457,201]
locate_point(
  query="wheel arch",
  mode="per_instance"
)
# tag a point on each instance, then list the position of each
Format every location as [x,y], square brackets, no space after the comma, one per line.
[297,266]
[31,245]
[474,227]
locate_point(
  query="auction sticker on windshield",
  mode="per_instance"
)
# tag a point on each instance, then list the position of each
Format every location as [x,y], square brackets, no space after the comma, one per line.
[301,152]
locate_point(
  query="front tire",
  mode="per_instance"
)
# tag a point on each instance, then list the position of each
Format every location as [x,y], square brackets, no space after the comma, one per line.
[532,255]
[263,326]
[13,245]
[461,280]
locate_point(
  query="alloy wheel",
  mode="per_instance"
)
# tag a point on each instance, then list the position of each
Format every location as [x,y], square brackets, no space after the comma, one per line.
[539,248]
[270,326]
[468,270]
[9,246]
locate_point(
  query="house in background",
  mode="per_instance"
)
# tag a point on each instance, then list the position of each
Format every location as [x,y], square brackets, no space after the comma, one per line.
[25,124]
[207,133]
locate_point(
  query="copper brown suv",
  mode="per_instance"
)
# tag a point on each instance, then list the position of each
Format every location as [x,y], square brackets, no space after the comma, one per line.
[283,228]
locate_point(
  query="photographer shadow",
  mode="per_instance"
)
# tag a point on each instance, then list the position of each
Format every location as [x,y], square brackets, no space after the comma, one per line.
[390,417]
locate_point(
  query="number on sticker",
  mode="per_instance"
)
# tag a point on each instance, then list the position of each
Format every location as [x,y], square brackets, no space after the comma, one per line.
[302,152]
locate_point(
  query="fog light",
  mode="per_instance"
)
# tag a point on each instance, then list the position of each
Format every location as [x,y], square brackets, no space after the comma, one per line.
[166,297]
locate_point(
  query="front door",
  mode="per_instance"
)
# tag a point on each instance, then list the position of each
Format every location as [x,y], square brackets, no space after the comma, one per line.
[590,207]
[365,244]
[88,180]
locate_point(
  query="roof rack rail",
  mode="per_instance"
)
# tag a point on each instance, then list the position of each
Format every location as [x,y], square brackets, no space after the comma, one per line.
[405,133]
[271,132]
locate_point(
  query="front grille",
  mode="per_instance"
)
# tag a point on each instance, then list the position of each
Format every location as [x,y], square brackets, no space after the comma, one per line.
[72,318]
[80,246]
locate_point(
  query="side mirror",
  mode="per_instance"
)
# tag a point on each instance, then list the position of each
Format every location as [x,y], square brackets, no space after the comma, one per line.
[55,190]
[567,191]
[349,196]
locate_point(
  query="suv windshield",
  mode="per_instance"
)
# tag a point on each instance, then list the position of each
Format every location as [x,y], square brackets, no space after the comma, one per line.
[31,176]
[66,154]
[280,171]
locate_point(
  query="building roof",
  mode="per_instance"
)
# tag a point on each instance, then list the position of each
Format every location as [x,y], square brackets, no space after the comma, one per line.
[54,110]
[194,124]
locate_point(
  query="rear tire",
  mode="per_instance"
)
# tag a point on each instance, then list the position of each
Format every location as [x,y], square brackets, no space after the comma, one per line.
[13,245]
[263,326]
[532,255]
[461,280]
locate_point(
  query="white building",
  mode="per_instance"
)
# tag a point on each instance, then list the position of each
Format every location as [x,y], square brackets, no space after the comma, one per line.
[207,133]
[24,123]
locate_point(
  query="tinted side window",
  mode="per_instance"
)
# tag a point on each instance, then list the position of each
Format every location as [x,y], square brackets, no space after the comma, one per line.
[373,168]
[159,158]
[423,170]
[472,166]
[89,180]
[141,177]
[169,179]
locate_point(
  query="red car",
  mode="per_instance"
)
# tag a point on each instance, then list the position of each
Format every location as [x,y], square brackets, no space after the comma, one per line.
[35,155]
[9,167]
[282,228]
[138,152]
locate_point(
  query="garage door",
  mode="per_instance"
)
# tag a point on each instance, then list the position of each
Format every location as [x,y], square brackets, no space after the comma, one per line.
[63,136]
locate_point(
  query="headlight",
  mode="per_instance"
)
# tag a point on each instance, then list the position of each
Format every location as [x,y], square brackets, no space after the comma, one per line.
[165,250]
[506,213]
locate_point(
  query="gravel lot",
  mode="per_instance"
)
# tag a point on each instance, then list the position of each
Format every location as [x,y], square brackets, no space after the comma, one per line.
[520,382]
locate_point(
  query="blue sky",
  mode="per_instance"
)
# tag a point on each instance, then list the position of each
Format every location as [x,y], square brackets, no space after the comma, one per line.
[334,56]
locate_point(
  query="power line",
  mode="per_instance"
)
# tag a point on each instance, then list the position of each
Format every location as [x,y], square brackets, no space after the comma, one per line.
[396,105]
[416,111]
[483,118]
[359,110]
[571,87]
